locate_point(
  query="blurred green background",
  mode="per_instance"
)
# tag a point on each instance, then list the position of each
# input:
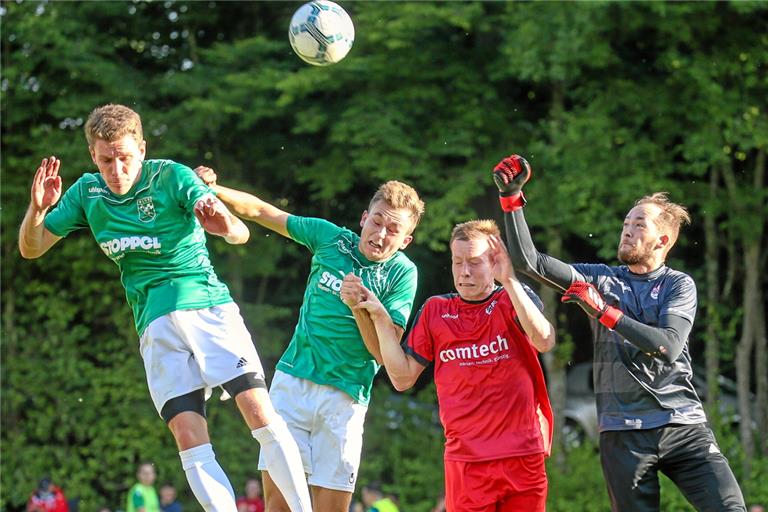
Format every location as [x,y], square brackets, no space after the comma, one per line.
[608,101]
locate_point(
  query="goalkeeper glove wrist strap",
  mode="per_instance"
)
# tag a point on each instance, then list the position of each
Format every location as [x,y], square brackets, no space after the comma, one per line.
[611,317]
[512,202]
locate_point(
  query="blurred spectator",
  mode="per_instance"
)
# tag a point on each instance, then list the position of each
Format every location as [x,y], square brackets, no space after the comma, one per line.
[757,508]
[375,500]
[253,500]
[142,497]
[356,506]
[168,501]
[47,498]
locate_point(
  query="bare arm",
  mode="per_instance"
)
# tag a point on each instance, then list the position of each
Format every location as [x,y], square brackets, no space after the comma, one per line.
[403,369]
[536,326]
[34,238]
[247,206]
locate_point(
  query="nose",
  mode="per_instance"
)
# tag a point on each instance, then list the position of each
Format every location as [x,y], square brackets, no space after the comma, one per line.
[465,269]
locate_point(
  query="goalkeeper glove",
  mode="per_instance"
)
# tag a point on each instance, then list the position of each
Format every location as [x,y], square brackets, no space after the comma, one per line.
[590,300]
[510,175]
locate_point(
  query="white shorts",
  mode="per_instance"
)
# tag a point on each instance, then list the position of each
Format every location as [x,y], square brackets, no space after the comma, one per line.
[327,424]
[191,349]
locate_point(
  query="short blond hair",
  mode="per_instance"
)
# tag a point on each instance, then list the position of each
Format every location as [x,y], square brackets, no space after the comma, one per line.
[399,195]
[672,215]
[474,229]
[113,122]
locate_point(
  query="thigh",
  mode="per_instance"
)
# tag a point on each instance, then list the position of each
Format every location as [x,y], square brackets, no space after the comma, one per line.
[169,364]
[221,343]
[292,398]
[526,483]
[691,458]
[470,487]
[330,500]
[336,439]
[629,460]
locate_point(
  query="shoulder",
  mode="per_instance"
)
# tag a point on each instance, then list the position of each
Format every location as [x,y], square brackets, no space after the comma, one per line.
[681,281]
[400,259]
[166,169]
[328,228]
[441,302]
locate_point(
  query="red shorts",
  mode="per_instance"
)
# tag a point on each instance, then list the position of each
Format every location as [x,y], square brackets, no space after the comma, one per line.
[503,485]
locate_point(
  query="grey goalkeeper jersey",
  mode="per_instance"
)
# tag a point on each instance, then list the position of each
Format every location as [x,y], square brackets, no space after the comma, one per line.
[636,390]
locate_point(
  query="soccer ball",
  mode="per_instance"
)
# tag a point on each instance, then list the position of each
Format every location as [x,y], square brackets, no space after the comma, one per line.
[321,32]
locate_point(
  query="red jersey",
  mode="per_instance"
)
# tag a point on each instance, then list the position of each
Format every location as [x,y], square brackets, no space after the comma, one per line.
[48,502]
[490,387]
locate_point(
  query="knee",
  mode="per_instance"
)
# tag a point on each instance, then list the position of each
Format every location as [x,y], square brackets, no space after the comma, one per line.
[256,408]
[189,429]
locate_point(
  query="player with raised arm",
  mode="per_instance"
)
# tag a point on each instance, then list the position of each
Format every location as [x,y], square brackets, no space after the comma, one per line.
[650,418]
[323,381]
[150,218]
[484,341]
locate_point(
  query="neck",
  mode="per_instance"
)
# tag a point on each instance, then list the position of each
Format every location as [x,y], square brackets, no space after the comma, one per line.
[645,266]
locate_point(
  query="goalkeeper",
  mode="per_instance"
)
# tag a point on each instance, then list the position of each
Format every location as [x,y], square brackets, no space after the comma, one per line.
[650,418]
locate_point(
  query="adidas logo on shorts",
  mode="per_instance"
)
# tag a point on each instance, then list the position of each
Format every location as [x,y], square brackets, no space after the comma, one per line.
[241,362]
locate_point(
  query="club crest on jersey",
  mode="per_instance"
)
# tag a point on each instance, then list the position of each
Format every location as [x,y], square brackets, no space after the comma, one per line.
[655,291]
[146,209]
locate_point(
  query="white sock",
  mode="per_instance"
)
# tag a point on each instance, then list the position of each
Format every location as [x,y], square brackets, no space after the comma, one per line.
[283,460]
[207,480]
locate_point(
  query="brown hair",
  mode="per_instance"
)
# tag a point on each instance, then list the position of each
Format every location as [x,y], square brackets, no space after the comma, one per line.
[113,122]
[399,195]
[474,229]
[671,217]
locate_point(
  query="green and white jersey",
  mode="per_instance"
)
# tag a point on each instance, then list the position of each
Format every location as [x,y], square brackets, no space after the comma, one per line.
[326,346]
[152,235]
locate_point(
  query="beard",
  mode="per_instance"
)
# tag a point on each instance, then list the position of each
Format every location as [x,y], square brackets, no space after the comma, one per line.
[634,255]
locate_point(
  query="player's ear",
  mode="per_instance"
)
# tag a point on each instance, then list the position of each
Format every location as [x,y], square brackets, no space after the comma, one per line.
[143,148]
[363,217]
[663,242]
[407,240]
[92,152]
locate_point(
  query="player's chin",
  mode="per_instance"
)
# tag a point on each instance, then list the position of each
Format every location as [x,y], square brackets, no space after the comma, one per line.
[376,253]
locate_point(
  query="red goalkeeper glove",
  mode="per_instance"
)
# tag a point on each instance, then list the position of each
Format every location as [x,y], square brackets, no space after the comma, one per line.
[510,175]
[590,300]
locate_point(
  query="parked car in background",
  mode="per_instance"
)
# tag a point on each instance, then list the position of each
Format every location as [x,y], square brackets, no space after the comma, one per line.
[580,411]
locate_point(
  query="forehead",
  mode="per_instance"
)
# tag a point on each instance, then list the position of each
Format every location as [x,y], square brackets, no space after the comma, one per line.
[647,212]
[474,248]
[381,210]
[127,144]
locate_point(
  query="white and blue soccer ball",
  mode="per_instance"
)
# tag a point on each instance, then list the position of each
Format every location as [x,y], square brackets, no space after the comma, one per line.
[321,32]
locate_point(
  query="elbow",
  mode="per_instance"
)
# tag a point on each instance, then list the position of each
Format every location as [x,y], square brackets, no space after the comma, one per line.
[669,354]
[402,383]
[547,343]
[28,254]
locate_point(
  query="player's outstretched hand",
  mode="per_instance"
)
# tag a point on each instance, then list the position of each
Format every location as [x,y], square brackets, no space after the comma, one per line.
[502,265]
[206,174]
[214,216]
[352,290]
[46,185]
[510,175]
[590,300]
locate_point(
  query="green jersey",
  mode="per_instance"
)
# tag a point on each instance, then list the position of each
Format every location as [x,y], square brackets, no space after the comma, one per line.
[152,235]
[326,346]
[142,497]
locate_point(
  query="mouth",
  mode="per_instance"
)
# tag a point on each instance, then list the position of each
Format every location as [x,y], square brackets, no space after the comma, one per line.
[374,246]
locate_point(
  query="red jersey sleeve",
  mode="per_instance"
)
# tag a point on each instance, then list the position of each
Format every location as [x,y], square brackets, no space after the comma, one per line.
[419,342]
